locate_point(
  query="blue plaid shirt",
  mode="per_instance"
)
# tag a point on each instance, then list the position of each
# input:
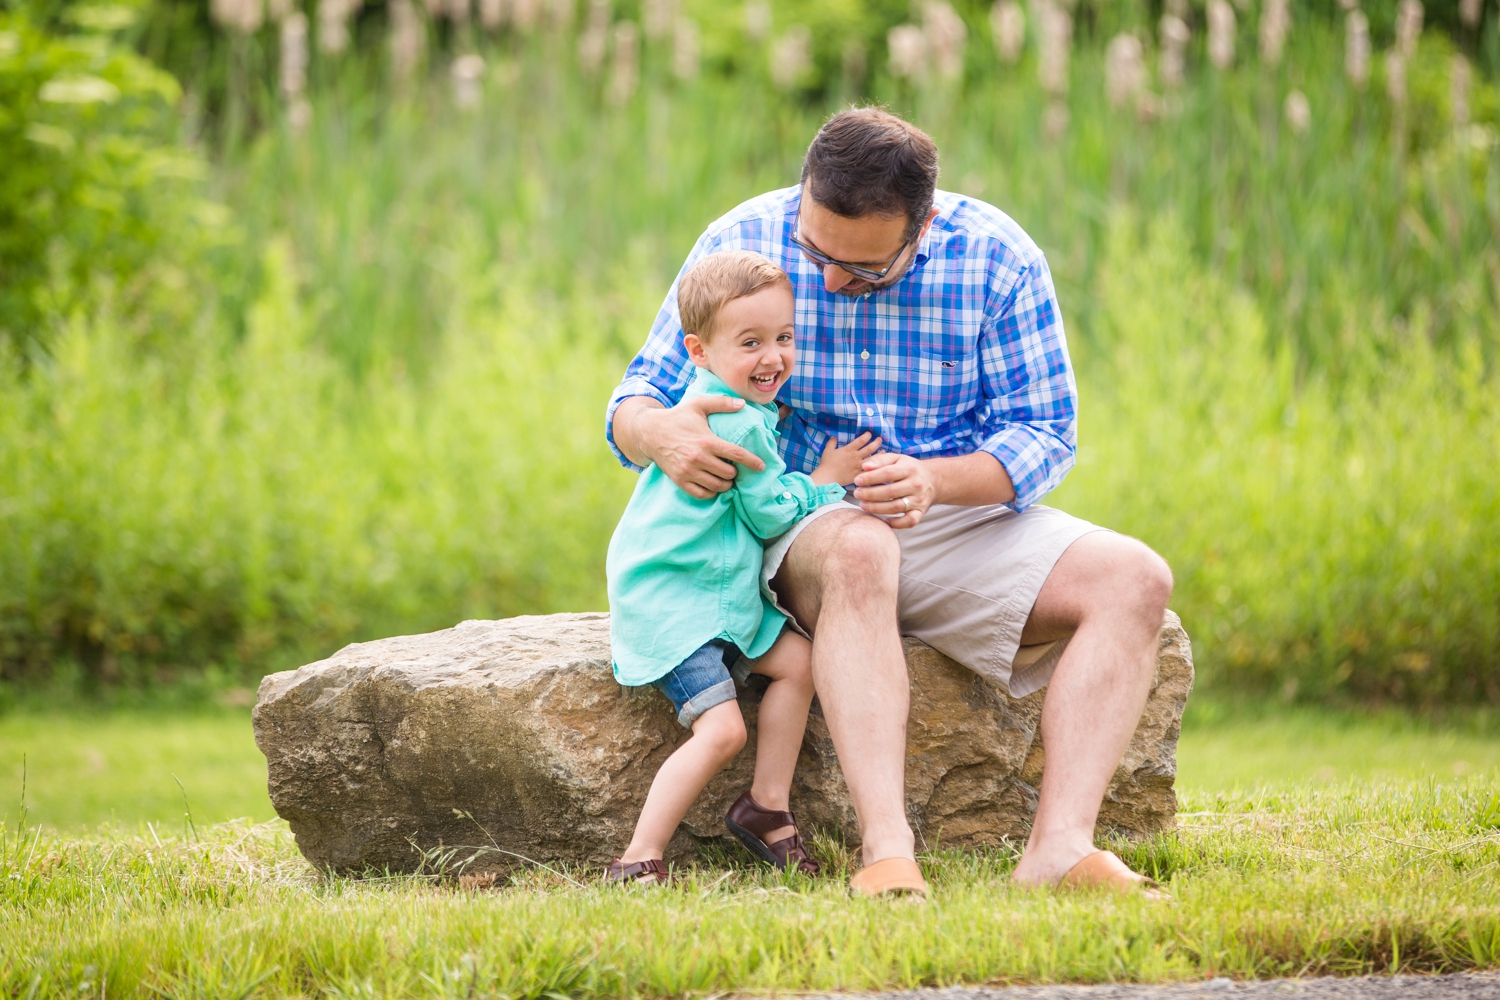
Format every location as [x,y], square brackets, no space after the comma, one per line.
[965,353]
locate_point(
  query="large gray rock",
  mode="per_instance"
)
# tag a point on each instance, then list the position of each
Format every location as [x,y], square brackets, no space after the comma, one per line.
[513,736]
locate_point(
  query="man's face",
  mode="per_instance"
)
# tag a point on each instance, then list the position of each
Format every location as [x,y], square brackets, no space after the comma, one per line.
[752,344]
[870,241]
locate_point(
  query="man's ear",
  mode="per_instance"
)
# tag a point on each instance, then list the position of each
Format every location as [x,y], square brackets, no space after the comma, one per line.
[932,213]
[696,353]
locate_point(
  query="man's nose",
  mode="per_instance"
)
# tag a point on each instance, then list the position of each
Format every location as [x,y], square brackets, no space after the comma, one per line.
[835,277]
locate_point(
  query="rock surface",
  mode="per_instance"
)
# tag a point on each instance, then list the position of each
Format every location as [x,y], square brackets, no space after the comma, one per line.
[514,737]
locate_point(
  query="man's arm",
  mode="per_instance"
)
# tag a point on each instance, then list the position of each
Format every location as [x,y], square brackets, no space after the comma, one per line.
[678,442]
[1028,427]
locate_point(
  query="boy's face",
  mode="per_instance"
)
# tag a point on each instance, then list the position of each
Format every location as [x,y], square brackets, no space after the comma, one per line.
[751,347]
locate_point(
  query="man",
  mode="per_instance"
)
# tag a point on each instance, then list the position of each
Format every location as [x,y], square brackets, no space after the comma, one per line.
[930,320]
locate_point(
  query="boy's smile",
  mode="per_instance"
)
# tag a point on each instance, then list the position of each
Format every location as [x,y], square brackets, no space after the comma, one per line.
[751,348]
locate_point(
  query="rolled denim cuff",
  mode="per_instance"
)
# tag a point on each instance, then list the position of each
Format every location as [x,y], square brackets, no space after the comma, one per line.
[704,700]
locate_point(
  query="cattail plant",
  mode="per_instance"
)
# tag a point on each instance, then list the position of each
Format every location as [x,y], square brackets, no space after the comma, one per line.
[791,56]
[757,20]
[294,54]
[1459,79]
[408,39]
[559,14]
[1468,13]
[852,62]
[1298,112]
[1124,71]
[685,56]
[457,11]
[1275,22]
[1357,47]
[657,18]
[467,74]
[524,14]
[908,52]
[593,42]
[1220,33]
[946,36]
[333,24]
[624,68]
[1408,27]
[1174,39]
[279,10]
[294,69]
[242,16]
[492,14]
[1008,26]
[1054,38]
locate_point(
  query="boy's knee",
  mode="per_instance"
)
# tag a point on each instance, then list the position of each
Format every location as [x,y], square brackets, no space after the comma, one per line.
[723,729]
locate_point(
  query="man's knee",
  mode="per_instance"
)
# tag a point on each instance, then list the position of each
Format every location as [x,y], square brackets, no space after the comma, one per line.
[864,552]
[1144,579]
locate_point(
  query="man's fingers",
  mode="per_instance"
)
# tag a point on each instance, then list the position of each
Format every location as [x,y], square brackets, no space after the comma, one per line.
[712,403]
[831,447]
[886,473]
[734,453]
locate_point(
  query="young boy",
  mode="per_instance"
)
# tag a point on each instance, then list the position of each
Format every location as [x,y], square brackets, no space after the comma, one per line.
[686,609]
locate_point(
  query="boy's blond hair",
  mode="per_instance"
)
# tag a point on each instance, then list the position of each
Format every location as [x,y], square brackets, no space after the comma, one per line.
[719,279]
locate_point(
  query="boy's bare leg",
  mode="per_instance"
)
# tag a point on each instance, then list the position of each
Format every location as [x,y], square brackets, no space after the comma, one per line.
[783,720]
[718,735]
[840,580]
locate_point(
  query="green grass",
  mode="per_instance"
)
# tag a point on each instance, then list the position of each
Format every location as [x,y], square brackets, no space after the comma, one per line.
[1290,874]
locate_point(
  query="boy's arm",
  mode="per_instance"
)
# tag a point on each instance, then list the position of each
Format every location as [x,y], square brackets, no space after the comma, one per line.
[771,500]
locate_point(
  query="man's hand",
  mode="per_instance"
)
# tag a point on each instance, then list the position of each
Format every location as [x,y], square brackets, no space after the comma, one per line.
[901,488]
[897,487]
[678,442]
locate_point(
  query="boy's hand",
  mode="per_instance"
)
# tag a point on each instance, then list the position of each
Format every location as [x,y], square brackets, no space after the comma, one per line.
[841,465]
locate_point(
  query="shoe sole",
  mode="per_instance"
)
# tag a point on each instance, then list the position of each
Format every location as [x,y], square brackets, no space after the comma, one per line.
[754,844]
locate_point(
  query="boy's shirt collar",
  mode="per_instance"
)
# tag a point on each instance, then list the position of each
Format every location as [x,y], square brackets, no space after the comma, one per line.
[708,384]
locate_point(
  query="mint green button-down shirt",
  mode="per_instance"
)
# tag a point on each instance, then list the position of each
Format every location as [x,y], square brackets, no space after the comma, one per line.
[684,571]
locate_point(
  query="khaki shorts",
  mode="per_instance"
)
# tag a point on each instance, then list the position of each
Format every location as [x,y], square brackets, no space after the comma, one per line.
[969,578]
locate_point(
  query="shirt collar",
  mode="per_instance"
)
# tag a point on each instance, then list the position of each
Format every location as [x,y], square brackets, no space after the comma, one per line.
[706,383]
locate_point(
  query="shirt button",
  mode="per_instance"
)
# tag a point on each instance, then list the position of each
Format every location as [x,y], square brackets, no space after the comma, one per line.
[786,496]
[869,412]
[865,355]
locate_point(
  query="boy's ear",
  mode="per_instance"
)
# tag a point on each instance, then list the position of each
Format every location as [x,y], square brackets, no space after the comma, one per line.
[694,345]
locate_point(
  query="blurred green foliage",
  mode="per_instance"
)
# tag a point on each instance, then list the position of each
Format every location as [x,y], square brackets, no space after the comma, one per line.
[98,201]
[372,403]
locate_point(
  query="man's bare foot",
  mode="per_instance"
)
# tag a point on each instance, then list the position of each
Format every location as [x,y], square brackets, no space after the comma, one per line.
[1048,862]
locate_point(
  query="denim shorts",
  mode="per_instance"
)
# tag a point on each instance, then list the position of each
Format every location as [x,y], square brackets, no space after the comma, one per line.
[701,681]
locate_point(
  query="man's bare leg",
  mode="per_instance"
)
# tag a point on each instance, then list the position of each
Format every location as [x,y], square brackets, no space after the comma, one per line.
[840,580]
[1110,592]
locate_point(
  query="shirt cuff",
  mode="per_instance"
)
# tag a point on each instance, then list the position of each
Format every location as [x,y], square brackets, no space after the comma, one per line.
[1027,460]
[635,385]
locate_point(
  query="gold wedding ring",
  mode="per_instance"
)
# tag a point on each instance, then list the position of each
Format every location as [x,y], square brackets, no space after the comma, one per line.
[906,503]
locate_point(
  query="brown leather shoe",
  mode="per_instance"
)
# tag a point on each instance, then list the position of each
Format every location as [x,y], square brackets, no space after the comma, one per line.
[652,871]
[750,823]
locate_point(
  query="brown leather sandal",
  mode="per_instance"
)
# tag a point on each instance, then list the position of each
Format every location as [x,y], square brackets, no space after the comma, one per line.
[652,871]
[891,877]
[1105,870]
[750,822]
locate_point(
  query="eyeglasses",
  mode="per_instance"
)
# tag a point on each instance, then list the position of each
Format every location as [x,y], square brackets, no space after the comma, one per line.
[823,260]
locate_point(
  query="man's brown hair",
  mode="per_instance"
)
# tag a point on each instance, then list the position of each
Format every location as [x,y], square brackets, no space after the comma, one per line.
[866,161]
[719,279]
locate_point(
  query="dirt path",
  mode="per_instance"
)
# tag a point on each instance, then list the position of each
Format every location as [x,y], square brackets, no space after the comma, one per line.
[1463,986]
